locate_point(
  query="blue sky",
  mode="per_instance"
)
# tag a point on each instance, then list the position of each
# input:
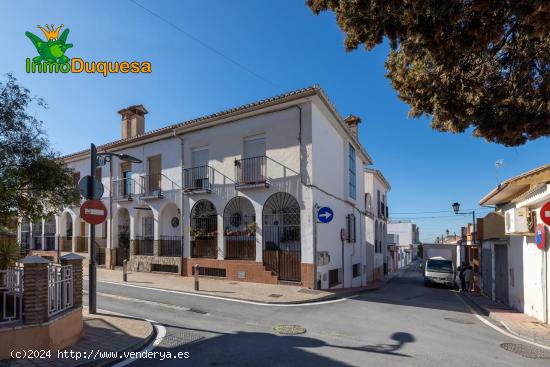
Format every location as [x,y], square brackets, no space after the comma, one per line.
[284,43]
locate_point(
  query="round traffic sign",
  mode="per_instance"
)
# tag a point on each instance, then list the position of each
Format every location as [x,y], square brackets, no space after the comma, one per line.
[90,187]
[325,214]
[540,236]
[93,212]
[545,213]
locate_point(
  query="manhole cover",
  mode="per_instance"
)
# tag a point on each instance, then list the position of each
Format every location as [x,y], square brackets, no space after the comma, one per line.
[526,350]
[459,321]
[177,339]
[289,329]
[233,283]
[274,295]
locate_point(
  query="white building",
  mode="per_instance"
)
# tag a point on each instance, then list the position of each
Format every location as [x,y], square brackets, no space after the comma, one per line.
[376,207]
[236,192]
[514,270]
[409,239]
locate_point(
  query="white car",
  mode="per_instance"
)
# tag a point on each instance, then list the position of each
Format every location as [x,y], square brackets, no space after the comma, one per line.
[439,270]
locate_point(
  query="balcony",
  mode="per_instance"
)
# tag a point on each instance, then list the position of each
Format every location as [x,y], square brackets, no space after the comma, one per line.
[123,189]
[151,186]
[251,172]
[198,179]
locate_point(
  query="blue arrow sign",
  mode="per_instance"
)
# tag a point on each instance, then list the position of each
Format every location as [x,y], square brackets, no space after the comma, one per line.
[325,214]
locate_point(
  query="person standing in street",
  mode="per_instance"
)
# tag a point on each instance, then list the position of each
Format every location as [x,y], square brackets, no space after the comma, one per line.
[468,278]
[461,277]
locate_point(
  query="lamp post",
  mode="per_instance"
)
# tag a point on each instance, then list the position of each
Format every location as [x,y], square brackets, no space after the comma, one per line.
[456,209]
[98,159]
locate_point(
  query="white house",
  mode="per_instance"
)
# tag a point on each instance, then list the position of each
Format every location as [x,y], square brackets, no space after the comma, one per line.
[514,270]
[376,205]
[409,238]
[236,192]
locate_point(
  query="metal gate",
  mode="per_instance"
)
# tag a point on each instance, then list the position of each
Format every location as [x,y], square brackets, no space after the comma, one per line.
[281,233]
[487,266]
[501,273]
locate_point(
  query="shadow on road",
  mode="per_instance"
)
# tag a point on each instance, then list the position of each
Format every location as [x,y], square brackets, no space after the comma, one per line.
[257,348]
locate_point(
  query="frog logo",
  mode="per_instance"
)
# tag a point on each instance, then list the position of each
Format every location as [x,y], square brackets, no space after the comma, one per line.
[53,50]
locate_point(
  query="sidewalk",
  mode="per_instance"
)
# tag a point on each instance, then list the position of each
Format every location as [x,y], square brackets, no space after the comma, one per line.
[515,322]
[103,333]
[255,292]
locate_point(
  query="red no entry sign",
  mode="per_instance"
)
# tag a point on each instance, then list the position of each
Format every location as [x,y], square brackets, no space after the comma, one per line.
[93,212]
[545,213]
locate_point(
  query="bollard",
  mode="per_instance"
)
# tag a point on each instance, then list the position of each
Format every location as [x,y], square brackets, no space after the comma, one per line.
[125,270]
[196,267]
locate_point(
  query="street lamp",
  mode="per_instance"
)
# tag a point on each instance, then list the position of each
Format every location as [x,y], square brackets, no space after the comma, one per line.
[456,209]
[99,159]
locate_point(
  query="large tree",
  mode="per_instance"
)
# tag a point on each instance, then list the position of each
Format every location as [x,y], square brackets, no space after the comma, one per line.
[34,182]
[466,63]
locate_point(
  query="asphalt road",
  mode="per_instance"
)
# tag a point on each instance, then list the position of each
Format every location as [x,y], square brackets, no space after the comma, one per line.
[403,324]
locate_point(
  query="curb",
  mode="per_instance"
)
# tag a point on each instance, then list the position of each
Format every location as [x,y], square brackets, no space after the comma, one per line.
[137,346]
[493,316]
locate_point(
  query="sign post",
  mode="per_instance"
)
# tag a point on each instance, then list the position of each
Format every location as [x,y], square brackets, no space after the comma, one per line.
[91,267]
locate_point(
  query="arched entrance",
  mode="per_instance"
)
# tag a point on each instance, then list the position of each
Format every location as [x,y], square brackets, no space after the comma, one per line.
[239,229]
[281,234]
[49,233]
[121,236]
[204,230]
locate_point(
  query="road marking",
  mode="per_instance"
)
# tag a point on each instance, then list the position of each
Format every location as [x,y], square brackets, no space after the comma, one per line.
[161,333]
[230,299]
[138,300]
[488,323]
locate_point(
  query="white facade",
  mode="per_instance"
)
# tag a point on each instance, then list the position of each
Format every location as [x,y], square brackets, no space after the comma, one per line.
[301,148]
[409,238]
[376,204]
[515,270]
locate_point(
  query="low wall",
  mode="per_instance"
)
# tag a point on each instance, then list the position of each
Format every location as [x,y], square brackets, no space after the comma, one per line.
[50,255]
[57,333]
[253,271]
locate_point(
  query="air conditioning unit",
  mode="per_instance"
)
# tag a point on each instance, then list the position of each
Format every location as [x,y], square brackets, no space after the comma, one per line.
[516,221]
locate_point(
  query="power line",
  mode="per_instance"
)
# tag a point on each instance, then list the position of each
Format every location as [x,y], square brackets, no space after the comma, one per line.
[445,211]
[205,45]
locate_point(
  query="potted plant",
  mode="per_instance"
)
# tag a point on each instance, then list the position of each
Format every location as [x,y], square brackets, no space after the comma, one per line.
[251,228]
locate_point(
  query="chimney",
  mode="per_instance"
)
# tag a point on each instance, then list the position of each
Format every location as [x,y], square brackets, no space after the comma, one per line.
[353,122]
[133,121]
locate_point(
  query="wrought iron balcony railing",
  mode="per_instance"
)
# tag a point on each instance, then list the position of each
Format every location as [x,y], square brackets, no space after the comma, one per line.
[198,179]
[151,186]
[251,172]
[123,189]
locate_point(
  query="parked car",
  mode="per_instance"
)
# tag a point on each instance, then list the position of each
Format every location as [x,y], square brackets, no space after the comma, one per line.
[439,270]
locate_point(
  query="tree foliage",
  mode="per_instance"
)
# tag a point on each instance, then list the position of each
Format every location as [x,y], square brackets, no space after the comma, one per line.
[34,182]
[466,63]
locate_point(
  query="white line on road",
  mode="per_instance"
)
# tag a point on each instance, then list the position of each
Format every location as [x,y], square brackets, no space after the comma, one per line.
[161,333]
[230,299]
[488,323]
[138,300]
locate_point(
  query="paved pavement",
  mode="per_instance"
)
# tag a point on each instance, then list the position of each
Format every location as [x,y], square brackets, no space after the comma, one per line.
[104,332]
[514,321]
[256,292]
[401,324]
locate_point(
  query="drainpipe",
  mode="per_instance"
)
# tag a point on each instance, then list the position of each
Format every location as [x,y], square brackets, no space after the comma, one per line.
[111,212]
[315,207]
[181,201]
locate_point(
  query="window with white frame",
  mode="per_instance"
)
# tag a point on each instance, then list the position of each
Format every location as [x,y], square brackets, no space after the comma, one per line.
[351,172]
